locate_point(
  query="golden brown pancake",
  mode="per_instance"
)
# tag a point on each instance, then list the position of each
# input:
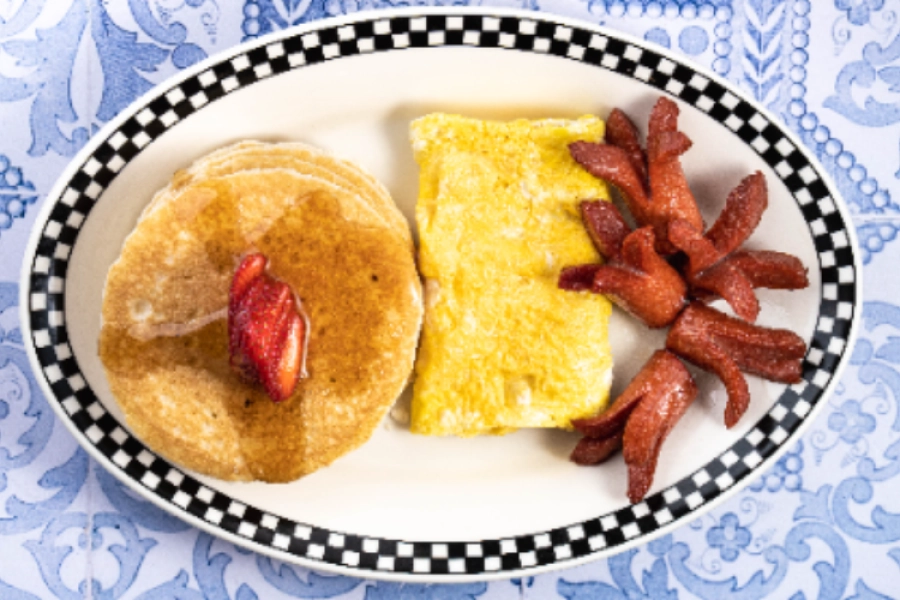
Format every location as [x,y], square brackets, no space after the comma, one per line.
[301,157]
[164,341]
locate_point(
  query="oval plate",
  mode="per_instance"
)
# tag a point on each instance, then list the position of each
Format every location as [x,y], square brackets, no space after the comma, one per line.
[406,507]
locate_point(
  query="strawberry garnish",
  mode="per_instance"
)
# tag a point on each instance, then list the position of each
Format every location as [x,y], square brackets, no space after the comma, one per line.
[267,329]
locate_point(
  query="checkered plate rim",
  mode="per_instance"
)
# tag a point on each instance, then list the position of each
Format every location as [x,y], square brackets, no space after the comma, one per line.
[385,31]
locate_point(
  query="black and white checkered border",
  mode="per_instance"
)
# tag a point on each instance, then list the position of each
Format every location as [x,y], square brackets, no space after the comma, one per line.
[71,209]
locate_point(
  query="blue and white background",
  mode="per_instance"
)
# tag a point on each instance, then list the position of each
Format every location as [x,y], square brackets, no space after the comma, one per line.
[823,523]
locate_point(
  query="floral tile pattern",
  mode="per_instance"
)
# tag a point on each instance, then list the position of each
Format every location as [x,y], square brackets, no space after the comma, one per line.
[824,522]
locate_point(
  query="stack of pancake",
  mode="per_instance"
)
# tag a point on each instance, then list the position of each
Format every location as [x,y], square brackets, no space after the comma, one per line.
[333,233]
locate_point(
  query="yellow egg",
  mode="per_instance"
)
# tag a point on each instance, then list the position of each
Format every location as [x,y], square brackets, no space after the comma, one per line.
[498,216]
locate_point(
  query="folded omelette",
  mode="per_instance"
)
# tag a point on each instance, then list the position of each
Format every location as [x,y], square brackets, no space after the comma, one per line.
[498,217]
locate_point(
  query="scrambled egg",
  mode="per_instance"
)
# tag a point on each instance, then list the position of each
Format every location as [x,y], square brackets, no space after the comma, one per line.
[498,217]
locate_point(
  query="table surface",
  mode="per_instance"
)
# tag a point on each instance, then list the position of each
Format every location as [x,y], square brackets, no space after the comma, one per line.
[823,523]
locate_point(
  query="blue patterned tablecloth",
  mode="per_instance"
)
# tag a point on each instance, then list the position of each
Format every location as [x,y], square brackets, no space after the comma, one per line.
[823,523]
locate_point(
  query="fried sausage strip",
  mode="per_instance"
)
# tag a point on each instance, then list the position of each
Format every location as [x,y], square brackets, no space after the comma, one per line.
[578,278]
[671,197]
[605,225]
[743,211]
[726,346]
[732,285]
[769,269]
[593,451]
[641,282]
[639,421]
[622,133]
[762,269]
[701,253]
[707,273]
[625,165]
[652,420]
[612,164]
[711,267]
[656,374]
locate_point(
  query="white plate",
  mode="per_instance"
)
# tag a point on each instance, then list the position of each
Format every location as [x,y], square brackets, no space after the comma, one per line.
[407,507]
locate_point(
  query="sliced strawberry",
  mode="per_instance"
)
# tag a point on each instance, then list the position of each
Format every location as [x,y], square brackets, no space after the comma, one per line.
[255,324]
[250,268]
[290,366]
[267,329]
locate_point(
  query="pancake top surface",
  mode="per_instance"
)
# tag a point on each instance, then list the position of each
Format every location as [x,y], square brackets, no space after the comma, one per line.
[164,339]
[299,157]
